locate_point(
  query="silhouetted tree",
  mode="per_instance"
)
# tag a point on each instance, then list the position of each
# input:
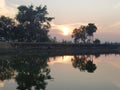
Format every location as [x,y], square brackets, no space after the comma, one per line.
[84,33]
[90,29]
[79,62]
[96,41]
[79,34]
[90,67]
[6,28]
[28,71]
[6,71]
[83,63]
[35,23]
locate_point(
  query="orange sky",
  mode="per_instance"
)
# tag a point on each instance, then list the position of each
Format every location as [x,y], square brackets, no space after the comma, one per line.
[71,14]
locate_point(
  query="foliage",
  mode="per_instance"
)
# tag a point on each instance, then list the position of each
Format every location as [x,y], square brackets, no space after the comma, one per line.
[32,25]
[84,33]
[79,34]
[83,63]
[35,22]
[29,72]
[96,41]
[6,27]
[90,29]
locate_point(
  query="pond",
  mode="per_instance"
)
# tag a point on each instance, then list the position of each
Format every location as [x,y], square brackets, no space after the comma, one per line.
[67,72]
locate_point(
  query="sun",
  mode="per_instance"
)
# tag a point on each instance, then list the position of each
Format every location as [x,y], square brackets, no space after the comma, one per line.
[65,31]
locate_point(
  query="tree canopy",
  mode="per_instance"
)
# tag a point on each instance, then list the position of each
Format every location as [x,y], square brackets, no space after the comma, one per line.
[84,33]
[6,26]
[35,23]
[32,25]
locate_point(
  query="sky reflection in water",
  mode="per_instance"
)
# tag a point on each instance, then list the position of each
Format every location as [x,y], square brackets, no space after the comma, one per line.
[65,73]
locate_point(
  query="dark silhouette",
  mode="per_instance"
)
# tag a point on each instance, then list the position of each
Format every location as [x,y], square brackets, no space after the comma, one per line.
[7,26]
[84,34]
[79,62]
[90,29]
[35,23]
[79,34]
[90,67]
[83,63]
[32,25]
[96,41]
[31,71]
[6,71]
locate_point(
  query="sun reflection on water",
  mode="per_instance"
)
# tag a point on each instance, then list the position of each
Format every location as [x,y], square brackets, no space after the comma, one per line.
[1,83]
[62,59]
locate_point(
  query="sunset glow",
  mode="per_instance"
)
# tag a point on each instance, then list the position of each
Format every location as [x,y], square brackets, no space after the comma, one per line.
[63,60]
[59,44]
[66,31]
[83,11]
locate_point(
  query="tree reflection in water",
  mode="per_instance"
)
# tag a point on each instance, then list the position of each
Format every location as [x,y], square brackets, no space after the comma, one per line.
[84,63]
[31,72]
[6,71]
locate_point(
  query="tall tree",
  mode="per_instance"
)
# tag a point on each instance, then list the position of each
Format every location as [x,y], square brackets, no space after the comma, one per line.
[35,22]
[79,34]
[90,29]
[84,33]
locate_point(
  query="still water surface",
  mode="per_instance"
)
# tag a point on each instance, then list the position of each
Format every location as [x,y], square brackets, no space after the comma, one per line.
[78,72]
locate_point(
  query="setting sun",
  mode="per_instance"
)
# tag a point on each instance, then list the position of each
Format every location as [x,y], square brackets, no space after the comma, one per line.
[65,30]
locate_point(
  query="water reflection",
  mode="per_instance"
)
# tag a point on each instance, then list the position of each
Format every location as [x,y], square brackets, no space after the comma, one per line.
[83,63]
[6,71]
[33,72]
[29,72]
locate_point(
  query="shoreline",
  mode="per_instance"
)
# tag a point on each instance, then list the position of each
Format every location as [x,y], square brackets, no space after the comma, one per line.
[59,49]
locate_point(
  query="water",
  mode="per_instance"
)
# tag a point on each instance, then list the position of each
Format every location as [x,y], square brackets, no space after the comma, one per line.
[74,72]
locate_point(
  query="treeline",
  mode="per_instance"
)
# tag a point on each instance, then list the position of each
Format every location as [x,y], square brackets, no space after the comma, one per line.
[31,24]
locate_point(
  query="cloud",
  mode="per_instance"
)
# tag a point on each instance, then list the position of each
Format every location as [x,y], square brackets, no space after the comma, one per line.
[104,32]
[57,30]
[7,9]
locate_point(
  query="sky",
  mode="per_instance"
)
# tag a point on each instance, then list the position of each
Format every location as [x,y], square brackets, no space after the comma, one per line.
[70,14]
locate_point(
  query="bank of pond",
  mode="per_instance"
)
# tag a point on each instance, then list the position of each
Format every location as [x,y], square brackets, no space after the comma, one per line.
[67,49]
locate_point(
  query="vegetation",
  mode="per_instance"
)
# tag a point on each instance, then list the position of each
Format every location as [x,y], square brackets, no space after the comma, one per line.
[32,72]
[83,63]
[7,26]
[96,41]
[31,25]
[84,34]
[29,72]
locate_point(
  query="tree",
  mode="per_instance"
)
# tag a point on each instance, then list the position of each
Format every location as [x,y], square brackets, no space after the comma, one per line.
[96,41]
[84,33]
[90,66]
[29,72]
[90,29]
[35,23]
[79,62]
[79,34]
[83,63]
[6,26]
